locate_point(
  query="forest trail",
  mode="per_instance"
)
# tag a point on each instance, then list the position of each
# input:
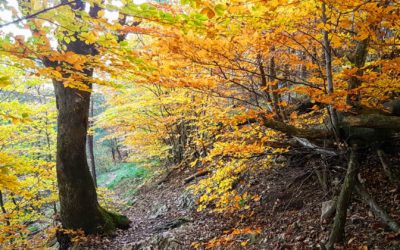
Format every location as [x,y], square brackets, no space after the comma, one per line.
[164,215]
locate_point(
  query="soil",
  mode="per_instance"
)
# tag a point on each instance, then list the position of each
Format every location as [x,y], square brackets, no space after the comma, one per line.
[287,214]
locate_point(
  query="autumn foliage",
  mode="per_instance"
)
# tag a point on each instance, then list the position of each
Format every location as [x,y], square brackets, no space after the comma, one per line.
[217,85]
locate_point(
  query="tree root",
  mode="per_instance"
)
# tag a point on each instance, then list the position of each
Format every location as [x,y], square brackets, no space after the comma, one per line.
[108,222]
[113,221]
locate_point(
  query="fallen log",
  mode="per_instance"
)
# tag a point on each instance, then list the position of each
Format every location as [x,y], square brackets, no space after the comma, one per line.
[377,121]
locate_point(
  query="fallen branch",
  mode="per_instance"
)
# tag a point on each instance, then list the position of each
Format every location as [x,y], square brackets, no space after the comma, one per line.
[200,173]
[167,176]
[386,168]
[306,143]
[378,211]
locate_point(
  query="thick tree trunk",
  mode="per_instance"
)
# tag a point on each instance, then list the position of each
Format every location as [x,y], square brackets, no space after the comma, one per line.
[338,232]
[79,207]
[78,198]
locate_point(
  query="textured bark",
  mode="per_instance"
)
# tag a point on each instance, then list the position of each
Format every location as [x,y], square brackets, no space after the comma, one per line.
[310,134]
[358,60]
[338,232]
[79,208]
[274,87]
[78,198]
[373,121]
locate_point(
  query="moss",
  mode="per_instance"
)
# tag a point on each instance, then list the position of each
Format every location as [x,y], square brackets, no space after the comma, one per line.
[113,220]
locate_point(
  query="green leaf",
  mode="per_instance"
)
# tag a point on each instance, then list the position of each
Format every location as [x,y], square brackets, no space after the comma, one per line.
[4,81]
[219,9]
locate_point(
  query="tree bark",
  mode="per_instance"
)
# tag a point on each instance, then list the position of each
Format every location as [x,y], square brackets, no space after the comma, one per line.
[373,121]
[338,232]
[79,207]
[274,87]
[3,209]
[329,75]
[78,198]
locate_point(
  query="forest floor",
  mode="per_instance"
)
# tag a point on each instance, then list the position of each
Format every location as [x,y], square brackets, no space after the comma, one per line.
[287,215]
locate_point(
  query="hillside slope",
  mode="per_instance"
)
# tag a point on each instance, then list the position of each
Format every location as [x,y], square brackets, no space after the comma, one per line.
[286,215]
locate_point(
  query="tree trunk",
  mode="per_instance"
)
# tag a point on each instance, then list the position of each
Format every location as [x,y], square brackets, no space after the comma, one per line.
[79,207]
[91,146]
[78,198]
[274,87]
[329,75]
[3,209]
[338,232]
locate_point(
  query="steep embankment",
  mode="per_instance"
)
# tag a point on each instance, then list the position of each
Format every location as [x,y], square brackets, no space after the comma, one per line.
[287,215]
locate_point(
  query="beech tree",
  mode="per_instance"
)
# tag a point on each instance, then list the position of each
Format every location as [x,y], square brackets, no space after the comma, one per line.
[227,86]
[71,74]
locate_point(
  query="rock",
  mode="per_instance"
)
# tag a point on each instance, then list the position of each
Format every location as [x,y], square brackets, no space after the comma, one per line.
[328,208]
[173,224]
[159,212]
[165,241]
[186,201]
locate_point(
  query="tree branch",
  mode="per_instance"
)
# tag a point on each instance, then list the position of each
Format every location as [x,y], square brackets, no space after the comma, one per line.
[30,16]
